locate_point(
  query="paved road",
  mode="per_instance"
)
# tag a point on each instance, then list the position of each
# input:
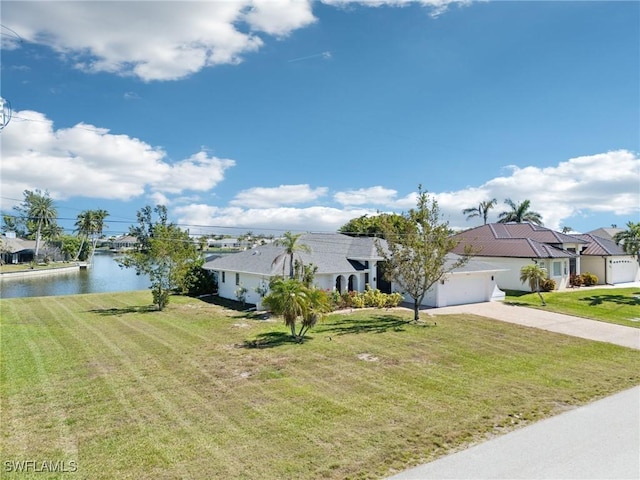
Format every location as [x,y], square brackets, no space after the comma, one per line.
[597,441]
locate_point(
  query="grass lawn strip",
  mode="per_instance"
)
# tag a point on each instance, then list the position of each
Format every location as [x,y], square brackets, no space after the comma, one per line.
[613,305]
[205,392]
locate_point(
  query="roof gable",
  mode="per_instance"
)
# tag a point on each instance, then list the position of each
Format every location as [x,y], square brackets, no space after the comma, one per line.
[331,253]
[600,246]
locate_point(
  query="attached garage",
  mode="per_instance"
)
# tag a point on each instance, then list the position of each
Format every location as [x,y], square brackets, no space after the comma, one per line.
[622,270]
[472,283]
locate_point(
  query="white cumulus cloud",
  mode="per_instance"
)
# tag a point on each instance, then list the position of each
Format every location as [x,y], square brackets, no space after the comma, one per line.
[261,197]
[164,40]
[366,196]
[87,161]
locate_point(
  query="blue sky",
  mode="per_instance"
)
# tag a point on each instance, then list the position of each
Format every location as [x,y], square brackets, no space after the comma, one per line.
[293,115]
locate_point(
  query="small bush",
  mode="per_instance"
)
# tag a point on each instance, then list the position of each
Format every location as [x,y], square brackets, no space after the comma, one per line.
[548,285]
[575,280]
[589,279]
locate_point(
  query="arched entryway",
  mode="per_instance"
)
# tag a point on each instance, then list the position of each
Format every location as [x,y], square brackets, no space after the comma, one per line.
[340,284]
[353,283]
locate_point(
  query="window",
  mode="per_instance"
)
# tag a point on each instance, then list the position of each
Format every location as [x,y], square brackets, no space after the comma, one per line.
[237,279]
[557,269]
[223,276]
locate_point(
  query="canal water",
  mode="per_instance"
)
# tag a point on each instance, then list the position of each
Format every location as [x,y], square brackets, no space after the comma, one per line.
[104,276]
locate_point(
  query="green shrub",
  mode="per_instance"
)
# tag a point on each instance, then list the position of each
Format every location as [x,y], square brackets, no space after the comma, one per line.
[374,298]
[589,279]
[394,299]
[575,280]
[548,285]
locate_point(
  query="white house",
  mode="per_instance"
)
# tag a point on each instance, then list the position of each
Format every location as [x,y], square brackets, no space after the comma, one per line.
[343,263]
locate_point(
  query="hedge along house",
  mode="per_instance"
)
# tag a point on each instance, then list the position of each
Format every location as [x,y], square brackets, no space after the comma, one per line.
[511,246]
[343,264]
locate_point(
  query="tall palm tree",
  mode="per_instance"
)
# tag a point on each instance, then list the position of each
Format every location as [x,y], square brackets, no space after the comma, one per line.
[90,223]
[630,239]
[482,210]
[289,242]
[519,213]
[41,212]
[534,275]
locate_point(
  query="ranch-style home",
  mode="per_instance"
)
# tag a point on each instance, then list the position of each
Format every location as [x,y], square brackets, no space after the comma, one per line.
[511,246]
[15,250]
[344,264]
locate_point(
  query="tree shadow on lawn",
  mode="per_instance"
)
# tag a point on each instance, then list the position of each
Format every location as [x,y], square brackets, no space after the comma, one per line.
[373,324]
[630,299]
[123,311]
[272,339]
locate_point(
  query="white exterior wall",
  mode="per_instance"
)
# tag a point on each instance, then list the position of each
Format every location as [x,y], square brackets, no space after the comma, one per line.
[623,269]
[460,289]
[510,279]
[227,289]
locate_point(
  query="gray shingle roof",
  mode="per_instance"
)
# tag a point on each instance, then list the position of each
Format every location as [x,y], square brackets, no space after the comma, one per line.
[15,245]
[331,253]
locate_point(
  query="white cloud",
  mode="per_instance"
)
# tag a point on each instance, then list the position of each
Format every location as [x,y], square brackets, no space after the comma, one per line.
[234,220]
[437,7]
[260,197]
[605,182]
[366,196]
[155,40]
[163,40]
[88,161]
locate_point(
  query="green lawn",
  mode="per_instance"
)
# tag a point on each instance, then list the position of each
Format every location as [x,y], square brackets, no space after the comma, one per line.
[200,391]
[22,267]
[617,305]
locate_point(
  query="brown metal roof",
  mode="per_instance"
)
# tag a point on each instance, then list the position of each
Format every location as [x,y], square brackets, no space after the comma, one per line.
[600,246]
[519,240]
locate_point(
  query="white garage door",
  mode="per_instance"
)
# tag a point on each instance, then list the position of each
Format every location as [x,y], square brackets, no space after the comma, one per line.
[463,289]
[623,270]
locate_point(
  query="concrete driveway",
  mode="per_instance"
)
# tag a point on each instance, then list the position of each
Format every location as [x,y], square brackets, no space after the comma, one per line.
[597,441]
[553,322]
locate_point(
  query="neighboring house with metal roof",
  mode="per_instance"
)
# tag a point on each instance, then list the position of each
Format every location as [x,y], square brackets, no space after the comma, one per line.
[608,261]
[511,246]
[343,263]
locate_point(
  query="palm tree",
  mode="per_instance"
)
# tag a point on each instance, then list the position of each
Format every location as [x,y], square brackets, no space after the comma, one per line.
[41,212]
[534,274]
[520,213]
[289,299]
[482,210]
[289,242]
[90,223]
[630,239]
[319,305]
[83,227]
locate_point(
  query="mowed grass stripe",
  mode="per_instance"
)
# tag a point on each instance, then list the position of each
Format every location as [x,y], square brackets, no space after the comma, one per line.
[177,394]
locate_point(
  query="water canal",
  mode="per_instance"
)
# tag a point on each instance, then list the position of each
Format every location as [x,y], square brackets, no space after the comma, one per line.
[104,276]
